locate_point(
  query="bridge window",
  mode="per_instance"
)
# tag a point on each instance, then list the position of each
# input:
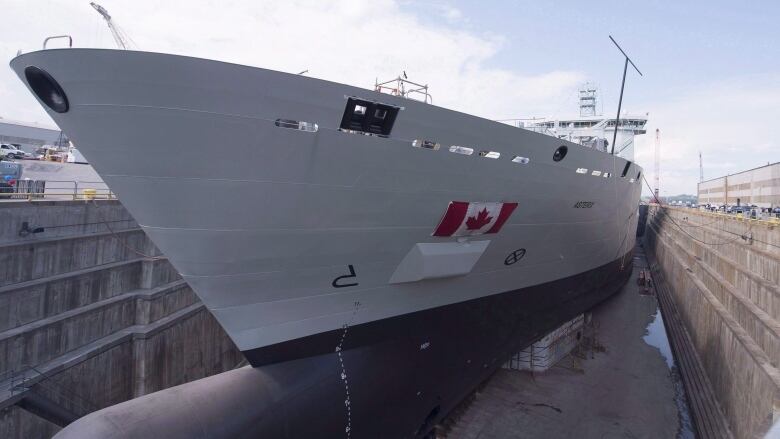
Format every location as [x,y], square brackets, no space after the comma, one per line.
[625,170]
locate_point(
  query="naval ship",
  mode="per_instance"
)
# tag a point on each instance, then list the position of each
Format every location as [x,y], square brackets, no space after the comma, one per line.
[377,256]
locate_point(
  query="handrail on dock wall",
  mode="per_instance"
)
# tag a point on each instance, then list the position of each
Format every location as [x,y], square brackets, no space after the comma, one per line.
[774,218]
[63,189]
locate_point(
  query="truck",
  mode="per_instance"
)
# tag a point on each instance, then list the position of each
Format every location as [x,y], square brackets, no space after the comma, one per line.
[11,151]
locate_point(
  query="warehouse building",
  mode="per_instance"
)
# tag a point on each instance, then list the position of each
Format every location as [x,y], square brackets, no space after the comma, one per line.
[30,135]
[759,186]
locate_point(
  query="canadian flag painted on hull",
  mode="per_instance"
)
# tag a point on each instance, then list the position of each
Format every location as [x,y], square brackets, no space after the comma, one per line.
[466,219]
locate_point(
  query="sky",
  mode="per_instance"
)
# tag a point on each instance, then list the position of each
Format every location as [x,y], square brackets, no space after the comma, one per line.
[711,69]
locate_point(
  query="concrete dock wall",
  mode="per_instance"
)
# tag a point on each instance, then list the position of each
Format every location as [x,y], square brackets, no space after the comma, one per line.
[61,219]
[91,314]
[725,285]
[30,260]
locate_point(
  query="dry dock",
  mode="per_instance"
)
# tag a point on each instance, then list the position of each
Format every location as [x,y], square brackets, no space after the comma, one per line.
[621,382]
[91,314]
[716,278]
[722,273]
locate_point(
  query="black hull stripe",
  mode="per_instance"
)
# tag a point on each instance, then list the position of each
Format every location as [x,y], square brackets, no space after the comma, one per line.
[525,315]
[407,372]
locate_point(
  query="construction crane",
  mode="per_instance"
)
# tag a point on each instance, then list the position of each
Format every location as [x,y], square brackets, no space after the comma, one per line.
[701,169]
[121,38]
[657,173]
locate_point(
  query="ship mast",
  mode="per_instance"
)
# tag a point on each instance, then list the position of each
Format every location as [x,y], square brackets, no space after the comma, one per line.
[588,100]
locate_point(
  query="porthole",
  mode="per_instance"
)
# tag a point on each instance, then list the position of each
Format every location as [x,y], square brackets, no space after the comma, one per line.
[560,153]
[582,170]
[461,150]
[596,173]
[47,89]
[426,144]
[490,154]
[521,160]
[286,123]
[296,125]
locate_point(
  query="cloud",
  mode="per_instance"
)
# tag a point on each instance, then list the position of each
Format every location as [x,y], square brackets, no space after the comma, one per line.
[730,121]
[348,41]
[355,42]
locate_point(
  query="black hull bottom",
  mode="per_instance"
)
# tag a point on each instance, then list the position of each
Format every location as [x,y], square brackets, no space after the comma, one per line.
[397,377]
[393,378]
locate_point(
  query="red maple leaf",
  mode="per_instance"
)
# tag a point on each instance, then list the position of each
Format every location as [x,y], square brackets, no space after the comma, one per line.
[479,221]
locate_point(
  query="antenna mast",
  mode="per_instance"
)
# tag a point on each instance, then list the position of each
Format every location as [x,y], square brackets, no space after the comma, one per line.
[122,40]
[622,86]
[657,176]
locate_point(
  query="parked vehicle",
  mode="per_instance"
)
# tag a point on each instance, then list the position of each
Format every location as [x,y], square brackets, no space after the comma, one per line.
[11,151]
[27,155]
[50,153]
[40,153]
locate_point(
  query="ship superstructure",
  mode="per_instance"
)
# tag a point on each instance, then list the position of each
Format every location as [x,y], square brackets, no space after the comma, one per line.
[591,128]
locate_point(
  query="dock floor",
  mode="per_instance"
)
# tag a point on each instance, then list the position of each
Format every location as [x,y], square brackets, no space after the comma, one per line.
[625,385]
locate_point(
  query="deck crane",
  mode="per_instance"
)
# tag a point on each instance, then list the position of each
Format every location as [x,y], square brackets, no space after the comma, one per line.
[122,40]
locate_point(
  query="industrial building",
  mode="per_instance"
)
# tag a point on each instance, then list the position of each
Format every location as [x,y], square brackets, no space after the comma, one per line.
[30,135]
[759,186]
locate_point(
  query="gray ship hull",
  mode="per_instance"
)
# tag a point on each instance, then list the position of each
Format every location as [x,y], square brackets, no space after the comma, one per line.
[306,244]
